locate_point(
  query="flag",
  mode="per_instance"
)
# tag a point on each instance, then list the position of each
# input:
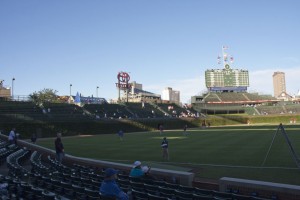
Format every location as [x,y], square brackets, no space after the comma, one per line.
[225,47]
[225,57]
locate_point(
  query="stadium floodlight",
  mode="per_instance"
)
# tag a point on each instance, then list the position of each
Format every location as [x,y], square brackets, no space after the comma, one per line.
[12,87]
[97,91]
[70,89]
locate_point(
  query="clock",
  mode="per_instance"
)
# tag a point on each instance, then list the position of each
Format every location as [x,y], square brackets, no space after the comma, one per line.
[227,66]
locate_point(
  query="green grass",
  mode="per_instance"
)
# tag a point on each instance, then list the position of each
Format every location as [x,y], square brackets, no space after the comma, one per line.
[232,151]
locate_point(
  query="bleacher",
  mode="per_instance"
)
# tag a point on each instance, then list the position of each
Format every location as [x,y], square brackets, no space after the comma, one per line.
[232,96]
[108,110]
[64,112]
[174,110]
[267,110]
[292,108]
[47,179]
[237,97]
[19,110]
[148,111]
[212,97]
[256,97]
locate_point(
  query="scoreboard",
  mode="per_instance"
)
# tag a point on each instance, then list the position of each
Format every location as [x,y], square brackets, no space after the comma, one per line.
[222,79]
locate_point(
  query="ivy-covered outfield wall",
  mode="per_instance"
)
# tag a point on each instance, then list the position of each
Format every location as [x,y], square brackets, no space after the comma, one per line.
[107,126]
[218,120]
[102,126]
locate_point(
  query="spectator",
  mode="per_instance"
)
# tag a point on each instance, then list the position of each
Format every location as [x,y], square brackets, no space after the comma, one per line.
[12,136]
[33,138]
[59,147]
[109,187]
[165,148]
[143,104]
[138,170]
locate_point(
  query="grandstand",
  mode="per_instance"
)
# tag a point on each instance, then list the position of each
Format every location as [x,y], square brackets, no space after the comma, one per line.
[233,102]
[227,93]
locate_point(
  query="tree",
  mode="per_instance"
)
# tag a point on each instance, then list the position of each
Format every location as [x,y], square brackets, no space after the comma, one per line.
[44,96]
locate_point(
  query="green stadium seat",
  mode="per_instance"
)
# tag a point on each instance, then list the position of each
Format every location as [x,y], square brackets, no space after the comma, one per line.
[203,192]
[222,195]
[240,197]
[156,197]
[202,197]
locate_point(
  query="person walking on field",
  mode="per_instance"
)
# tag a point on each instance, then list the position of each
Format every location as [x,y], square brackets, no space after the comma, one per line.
[161,129]
[184,130]
[165,148]
[59,148]
[121,134]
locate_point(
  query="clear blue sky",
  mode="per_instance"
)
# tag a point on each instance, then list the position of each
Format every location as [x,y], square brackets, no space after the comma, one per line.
[162,43]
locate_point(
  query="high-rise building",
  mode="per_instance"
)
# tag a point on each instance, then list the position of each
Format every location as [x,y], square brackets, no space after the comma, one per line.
[279,83]
[169,94]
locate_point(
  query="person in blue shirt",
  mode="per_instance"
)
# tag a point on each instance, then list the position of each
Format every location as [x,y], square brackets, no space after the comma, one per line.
[109,188]
[121,134]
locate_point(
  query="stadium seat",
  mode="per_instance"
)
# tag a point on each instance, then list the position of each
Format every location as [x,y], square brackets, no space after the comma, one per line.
[259,198]
[135,179]
[203,192]
[102,197]
[183,195]
[139,195]
[123,176]
[222,195]
[123,182]
[92,194]
[240,197]
[171,185]
[156,197]
[166,192]
[137,185]
[159,183]
[37,192]
[79,191]
[151,189]
[67,189]
[48,195]
[186,188]
[202,197]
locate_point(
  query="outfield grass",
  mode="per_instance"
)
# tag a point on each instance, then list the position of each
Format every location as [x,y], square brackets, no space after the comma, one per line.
[235,151]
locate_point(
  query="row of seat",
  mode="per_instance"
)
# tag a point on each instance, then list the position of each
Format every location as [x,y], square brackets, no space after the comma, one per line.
[51,179]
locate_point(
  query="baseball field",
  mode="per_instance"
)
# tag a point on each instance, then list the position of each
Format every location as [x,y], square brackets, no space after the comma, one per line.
[257,152]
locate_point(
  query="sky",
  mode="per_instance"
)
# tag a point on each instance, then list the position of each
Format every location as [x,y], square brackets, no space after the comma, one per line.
[160,43]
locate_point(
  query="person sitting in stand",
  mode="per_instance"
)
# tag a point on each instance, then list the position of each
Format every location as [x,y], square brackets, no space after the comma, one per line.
[138,170]
[109,188]
[33,138]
